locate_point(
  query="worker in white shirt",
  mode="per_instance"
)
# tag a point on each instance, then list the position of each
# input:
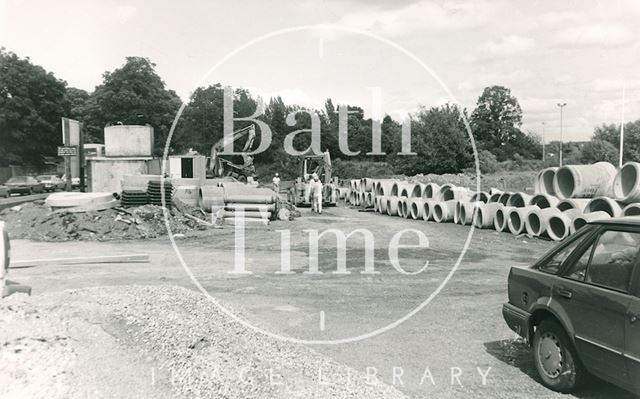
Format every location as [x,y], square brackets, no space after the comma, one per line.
[276,183]
[316,192]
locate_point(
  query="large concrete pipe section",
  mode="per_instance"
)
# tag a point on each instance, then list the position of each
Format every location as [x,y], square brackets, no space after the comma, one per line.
[427,209]
[382,204]
[417,190]
[631,210]
[626,185]
[455,193]
[543,201]
[519,200]
[465,211]
[584,181]
[416,208]
[431,191]
[580,221]
[392,206]
[559,226]
[383,187]
[404,204]
[398,187]
[517,219]
[443,211]
[573,203]
[481,196]
[545,181]
[501,217]
[367,184]
[495,197]
[246,194]
[504,198]
[538,221]
[250,207]
[484,215]
[211,198]
[605,204]
[368,199]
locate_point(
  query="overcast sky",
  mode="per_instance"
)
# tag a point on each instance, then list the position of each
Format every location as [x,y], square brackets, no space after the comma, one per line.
[579,52]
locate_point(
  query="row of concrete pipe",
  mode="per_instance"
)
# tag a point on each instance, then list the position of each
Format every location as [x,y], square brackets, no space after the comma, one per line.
[539,215]
[228,198]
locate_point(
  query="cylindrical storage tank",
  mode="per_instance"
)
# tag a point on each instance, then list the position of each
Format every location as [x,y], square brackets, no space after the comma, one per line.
[427,209]
[519,200]
[417,190]
[545,181]
[484,215]
[431,191]
[573,203]
[392,206]
[626,185]
[543,201]
[211,198]
[559,227]
[517,219]
[605,204]
[481,196]
[504,198]
[501,217]
[383,187]
[443,211]
[455,193]
[631,210]
[416,208]
[584,181]
[538,220]
[581,221]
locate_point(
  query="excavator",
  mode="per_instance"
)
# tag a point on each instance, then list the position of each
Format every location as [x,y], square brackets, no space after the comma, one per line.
[310,163]
[219,166]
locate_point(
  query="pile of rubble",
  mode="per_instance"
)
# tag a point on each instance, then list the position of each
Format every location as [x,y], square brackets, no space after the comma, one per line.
[37,221]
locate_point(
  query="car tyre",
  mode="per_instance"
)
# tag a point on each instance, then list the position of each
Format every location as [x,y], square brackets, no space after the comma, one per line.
[556,359]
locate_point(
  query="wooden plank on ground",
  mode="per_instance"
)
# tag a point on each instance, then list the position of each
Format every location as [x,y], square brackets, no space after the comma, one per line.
[80,260]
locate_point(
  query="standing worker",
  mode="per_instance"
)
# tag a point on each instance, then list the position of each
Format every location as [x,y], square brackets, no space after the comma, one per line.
[276,183]
[316,192]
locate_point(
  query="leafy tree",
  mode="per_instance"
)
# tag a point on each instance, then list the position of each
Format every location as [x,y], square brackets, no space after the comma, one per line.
[488,162]
[599,150]
[611,134]
[133,94]
[32,102]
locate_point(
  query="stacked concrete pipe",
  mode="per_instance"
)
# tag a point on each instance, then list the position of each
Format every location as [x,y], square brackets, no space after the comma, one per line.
[631,210]
[392,206]
[465,212]
[517,219]
[584,181]
[605,204]
[427,209]
[544,184]
[485,214]
[543,201]
[626,185]
[579,204]
[444,211]
[538,221]
[519,200]
[501,217]
[431,191]
[416,208]
[582,220]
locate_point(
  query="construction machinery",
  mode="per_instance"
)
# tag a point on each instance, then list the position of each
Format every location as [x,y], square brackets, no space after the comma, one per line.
[219,166]
[309,163]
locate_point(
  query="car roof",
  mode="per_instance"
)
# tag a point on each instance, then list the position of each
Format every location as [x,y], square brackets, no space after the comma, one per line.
[622,220]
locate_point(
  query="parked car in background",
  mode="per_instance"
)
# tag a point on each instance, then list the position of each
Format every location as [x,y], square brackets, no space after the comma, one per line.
[4,192]
[24,185]
[75,181]
[579,307]
[51,182]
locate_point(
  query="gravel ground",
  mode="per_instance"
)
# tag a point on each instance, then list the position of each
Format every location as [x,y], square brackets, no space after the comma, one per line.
[155,341]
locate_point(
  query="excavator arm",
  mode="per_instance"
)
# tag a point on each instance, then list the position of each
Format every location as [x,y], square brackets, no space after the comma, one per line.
[216,164]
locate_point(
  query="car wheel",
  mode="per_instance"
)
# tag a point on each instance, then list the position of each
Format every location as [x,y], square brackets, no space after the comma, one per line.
[556,360]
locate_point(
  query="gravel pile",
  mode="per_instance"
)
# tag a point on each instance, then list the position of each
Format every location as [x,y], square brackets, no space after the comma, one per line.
[193,348]
[36,221]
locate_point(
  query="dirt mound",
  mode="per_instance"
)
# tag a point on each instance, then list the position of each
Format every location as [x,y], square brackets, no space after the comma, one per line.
[37,221]
[156,341]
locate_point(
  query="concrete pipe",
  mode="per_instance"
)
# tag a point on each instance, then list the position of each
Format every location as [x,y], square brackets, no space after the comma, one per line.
[367,184]
[246,194]
[251,207]
[443,211]
[400,208]
[626,185]
[501,217]
[517,219]
[538,221]
[431,191]
[247,214]
[382,206]
[545,181]
[343,192]
[584,181]
[495,197]
[481,196]
[392,206]
[446,186]
[543,201]
[397,187]
[559,227]
[210,197]
[464,212]
[416,208]
[519,200]
[456,193]
[631,210]
[494,190]
[573,203]
[417,190]
[376,204]
[404,192]
[406,210]
[504,198]
[580,221]
[383,187]
[605,204]
[427,209]
[484,215]
[368,199]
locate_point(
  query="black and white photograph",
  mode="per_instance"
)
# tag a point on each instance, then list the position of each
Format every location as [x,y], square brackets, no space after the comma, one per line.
[319,199]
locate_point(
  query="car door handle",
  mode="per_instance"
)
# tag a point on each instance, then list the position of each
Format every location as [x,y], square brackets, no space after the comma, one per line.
[566,293]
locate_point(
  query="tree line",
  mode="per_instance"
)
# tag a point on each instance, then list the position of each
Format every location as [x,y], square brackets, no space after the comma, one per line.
[32,101]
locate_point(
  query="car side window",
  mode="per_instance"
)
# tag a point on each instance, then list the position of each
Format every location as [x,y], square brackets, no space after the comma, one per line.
[555,263]
[578,271]
[613,260]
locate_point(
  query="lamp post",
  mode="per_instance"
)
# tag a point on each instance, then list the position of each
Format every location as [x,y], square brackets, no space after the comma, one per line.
[561,105]
[544,154]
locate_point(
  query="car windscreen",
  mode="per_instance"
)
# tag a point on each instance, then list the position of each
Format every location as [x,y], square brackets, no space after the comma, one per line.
[17,179]
[45,177]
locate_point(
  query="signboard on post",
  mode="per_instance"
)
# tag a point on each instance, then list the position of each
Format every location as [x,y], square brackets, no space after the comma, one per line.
[67,151]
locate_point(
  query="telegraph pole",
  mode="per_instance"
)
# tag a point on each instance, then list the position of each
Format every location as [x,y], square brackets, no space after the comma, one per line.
[561,105]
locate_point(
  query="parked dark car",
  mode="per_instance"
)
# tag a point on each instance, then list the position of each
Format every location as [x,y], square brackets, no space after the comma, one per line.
[579,307]
[24,185]
[4,192]
[51,182]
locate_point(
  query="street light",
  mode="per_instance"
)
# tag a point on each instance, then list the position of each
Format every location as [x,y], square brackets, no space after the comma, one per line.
[544,156]
[561,105]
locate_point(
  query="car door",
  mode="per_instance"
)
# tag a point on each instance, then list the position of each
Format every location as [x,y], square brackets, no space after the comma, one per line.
[632,334]
[594,292]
